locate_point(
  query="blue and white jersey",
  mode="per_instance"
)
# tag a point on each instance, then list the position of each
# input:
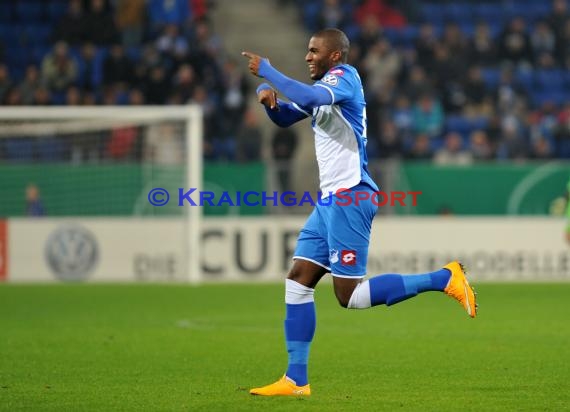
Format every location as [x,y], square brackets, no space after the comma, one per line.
[340,132]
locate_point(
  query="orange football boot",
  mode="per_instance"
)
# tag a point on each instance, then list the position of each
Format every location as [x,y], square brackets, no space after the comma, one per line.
[459,289]
[283,386]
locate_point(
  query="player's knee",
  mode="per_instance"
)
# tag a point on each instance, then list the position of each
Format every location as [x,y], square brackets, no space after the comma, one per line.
[343,299]
[343,303]
[295,274]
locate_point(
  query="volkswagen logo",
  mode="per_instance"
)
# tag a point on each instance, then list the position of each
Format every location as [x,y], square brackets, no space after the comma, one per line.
[72,253]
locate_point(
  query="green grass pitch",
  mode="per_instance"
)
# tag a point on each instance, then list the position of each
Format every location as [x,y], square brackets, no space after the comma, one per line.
[184,348]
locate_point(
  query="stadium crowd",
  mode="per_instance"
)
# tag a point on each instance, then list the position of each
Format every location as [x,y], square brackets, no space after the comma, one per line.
[449,81]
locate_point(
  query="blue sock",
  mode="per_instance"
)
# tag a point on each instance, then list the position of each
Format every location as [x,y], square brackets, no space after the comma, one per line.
[300,327]
[391,289]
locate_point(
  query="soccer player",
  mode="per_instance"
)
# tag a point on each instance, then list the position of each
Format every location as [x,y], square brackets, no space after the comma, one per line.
[568,212]
[336,236]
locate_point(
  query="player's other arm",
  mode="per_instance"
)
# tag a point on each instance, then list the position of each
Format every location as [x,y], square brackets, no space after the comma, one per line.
[283,114]
[302,94]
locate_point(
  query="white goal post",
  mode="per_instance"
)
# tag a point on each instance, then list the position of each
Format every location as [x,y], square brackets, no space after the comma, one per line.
[25,121]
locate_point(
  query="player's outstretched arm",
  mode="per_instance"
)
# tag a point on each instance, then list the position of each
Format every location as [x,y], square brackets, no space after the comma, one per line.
[300,93]
[283,114]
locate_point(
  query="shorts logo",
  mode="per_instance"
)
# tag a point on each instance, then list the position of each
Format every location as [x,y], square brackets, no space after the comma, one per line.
[330,79]
[338,72]
[348,257]
[333,256]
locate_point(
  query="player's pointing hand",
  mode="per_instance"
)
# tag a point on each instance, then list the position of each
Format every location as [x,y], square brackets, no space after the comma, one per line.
[254,62]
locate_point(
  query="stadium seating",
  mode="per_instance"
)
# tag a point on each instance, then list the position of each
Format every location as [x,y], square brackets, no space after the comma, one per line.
[26,28]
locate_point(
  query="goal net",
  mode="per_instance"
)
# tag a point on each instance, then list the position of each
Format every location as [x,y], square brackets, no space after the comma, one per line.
[103,162]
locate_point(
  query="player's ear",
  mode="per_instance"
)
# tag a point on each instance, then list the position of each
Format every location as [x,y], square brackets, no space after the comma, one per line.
[336,56]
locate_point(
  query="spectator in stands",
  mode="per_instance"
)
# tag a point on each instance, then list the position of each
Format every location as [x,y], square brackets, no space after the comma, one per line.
[205,39]
[150,59]
[390,142]
[89,77]
[421,148]
[110,96]
[544,122]
[386,15]
[172,44]
[446,69]
[34,204]
[542,40]
[559,16]
[411,9]
[283,147]
[72,26]
[452,153]
[118,69]
[475,93]
[379,105]
[331,14]
[156,88]
[162,12]
[546,61]
[514,44]
[563,46]
[455,42]
[5,82]
[89,99]
[380,65]
[508,92]
[234,102]
[184,84]
[402,115]
[494,130]
[199,8]
[562,133]
[205,55]
[480,147]
[513,145]
[249,139]
[482,48]
[428,116]
[201,98]
[59,70]
[73,96]
[130,18]
[13,97]
[426,43]
[42,97]
[417,83]
[100,26]
[541,149]
[370,33]
[136,97]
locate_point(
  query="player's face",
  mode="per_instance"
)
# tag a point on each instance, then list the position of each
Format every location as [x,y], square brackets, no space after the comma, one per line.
[319,58]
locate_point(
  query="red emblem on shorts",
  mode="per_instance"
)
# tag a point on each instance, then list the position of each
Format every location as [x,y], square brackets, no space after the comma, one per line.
[348,257]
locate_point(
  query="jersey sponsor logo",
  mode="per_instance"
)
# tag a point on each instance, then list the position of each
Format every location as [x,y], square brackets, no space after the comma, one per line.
[333,255]
[348,257]
[338,72]
[330,79]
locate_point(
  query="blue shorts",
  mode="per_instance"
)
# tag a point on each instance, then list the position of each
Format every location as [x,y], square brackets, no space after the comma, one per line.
[336,235]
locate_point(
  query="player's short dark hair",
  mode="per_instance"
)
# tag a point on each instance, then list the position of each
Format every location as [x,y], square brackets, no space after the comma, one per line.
[336,40]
